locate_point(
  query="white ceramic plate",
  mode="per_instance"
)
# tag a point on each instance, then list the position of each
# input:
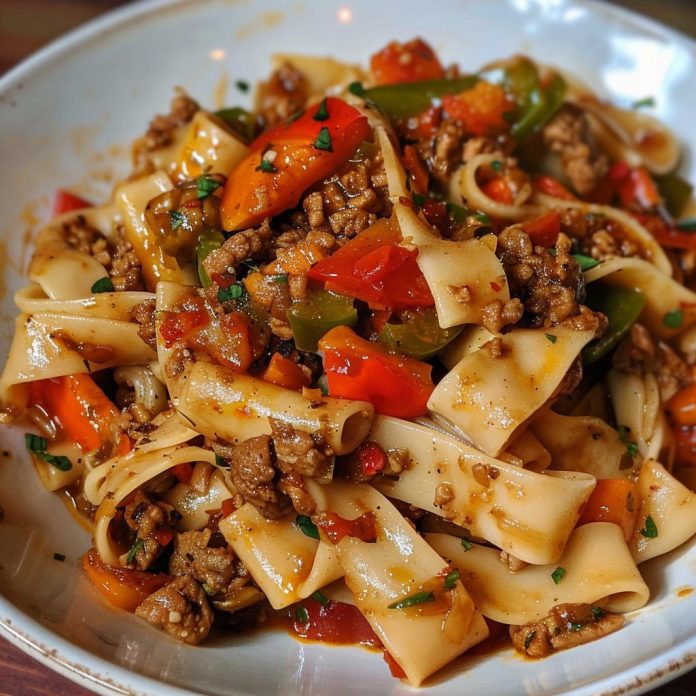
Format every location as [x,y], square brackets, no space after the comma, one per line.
[67,117]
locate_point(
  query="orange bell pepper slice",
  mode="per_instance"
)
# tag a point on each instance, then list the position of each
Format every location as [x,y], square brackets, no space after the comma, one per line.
[285,373]
[611,502]
[405,62]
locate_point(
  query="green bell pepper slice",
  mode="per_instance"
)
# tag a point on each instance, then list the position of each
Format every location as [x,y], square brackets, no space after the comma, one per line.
[419,335]
[319,312]
[675,191]
[622,307]
[208,241]
[409,99]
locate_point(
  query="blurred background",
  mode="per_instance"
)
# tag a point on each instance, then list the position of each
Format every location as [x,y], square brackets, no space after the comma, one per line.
[25,26]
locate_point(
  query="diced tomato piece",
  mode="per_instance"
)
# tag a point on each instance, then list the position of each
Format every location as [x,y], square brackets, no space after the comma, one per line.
[499,190]
[553,187]
[65,202]
[163,536]
[228,507]
[183,472]
[285,373]
[373,268]
[481,109]
[358,369]
[371,458]
[416,169]
[544,230]
[182,324]
[405,62]
[666,235]
[428,122]
[337,527]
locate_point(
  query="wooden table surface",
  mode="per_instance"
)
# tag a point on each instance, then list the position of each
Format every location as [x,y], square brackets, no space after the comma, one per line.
[25,25]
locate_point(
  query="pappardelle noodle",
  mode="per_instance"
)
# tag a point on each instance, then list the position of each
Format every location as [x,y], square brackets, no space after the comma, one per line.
[406,354]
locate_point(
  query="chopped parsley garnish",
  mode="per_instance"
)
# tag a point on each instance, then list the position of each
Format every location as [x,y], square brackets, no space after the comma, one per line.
[631,447]
[496,165]
[418,199]
[205,185]
[38,445]
[551,337]
[456,212]
[59,557]
[323,141]
[220,461]
[242,85]
[267,166]
[597,612]
[176,219]
[467,545]
[576,626]
[357,89]
[650,529]
[558,575]
[529,638]
[451,579]
[322,113]
[134,550]
[687,225]
[646,102]
[413,600]
[306,526]
[302,615]
[234,292]
[673,319]
[482,218]
[281,279]
[320,597]
[103,285]
[585,262]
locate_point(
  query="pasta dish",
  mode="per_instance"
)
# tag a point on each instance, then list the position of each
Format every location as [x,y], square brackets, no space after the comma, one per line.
[406,355]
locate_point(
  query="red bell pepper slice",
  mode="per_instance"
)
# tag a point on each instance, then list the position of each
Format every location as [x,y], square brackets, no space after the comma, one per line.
[373,268]
[544,230]
[481,109]
[553,187]
[405,62]
[363,370]
[65,202]
[665,234]
[80,410]
[306,151]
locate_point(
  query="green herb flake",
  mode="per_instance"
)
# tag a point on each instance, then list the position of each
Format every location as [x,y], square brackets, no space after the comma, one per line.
[482,218]
[451,579]
[134,550]
[551,337]
[576,626]
[497,166]
[673,319]
[320,597]
[650,529]
[597,612]
[267,166]
[467,545]
[456,212]
[357,89]
[59,557]
[323,141]
[645,103]
[528,639]
[249,263]
[242,85]
[281,279]
[322,113]
[552,251]
[220,461]
[292,118]
[176,219]
[234,292]
[37,445]
[558,575]
[302,615]
[205,185]
[687,225]
[585,262]
[306,526]
[413,600]
[102,285]
[631,447]
[418,199]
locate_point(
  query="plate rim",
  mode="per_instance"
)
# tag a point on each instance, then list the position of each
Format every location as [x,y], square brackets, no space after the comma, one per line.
[107,677]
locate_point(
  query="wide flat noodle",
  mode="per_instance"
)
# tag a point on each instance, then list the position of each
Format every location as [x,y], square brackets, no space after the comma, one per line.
[598,568]
[494,500]
[285,563]
[488,398]
[324,75]
[396,566]
[671,507]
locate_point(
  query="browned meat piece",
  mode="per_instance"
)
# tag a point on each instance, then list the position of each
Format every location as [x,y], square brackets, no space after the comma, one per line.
[299,452]
[283,95]
[444,151]
[254,476]
[125,268]
[638,354]
[146,518]
[144,314]
[497,315]
[568,133]
[193,555]
[83,237]
[548,285]
[162,127]
[180,609]
[565,626]
[248,244]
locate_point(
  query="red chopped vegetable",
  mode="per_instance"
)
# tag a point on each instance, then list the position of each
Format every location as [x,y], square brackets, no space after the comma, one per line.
[405,62]
[481,109]
[65,202]
[182,324]
[337,527]
[371,458]
[544,230]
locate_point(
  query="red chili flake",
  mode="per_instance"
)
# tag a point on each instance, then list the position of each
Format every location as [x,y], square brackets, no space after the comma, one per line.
[496,286]
[372,458]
